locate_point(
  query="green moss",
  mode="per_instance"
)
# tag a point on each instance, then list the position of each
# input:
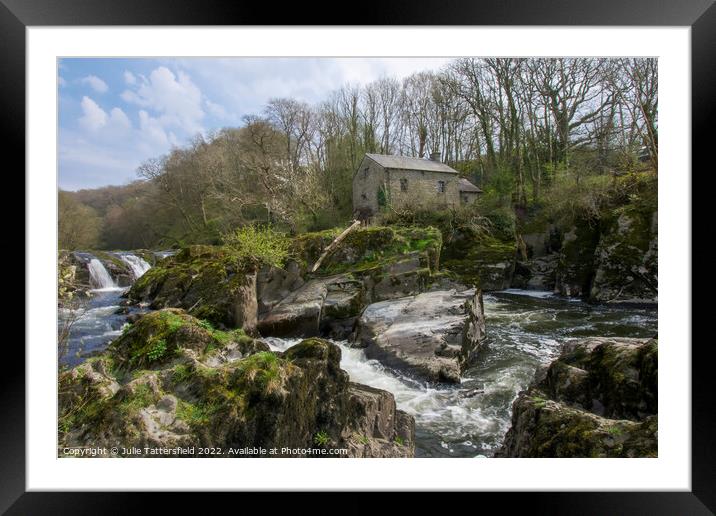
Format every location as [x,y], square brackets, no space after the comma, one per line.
[181,373]
[106,257]
[362,439]
[259,374]
[205,279]
[141,397]
[310,348]
[368,248]
[195,414]
[472,258]
[158,337]
[615,430]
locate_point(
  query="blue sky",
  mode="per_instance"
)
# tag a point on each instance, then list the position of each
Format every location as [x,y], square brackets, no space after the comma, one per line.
[115,113]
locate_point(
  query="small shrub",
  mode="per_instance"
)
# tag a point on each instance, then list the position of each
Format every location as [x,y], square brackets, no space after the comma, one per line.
[181,373]
[260,244]
[363,439]
[206,325]
[321,438]
[157,351]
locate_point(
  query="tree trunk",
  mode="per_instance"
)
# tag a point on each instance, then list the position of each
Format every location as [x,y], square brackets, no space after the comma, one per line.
[334,244]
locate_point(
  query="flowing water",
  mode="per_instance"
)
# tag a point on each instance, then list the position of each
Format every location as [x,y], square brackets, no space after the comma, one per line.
[99,277]
[525,329]
[99,319]
[137,264]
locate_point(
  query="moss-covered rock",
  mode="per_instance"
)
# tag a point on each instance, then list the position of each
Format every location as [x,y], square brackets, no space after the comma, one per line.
[626,261]
[598,399]
[162,336]
[371,264]
[72,278]
[208,281]
[545,428]
[367,248]
[575,269]
[300,399]
[480,260]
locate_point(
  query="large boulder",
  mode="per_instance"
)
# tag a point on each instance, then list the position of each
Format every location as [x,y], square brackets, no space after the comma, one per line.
[207,281]
[273,284]
[172,380]
[313,306]
[434,335]
[598,399]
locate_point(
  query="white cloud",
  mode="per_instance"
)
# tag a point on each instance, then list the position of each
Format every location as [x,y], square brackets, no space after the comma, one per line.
[95,83]
[93,117]
[216,109]
[166,107]
[175,97]
[119,119]
[152,130]
[61,81]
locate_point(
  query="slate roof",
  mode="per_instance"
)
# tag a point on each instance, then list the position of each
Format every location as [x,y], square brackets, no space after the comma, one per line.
[466,186]
[408,163]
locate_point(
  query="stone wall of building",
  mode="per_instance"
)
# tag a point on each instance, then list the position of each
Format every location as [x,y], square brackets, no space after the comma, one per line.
[422,189]
[367,180]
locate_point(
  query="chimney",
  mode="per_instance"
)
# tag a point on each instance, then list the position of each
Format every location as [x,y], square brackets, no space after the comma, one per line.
[434,156]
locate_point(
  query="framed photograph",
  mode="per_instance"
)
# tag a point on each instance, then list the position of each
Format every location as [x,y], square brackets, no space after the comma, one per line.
[430,243]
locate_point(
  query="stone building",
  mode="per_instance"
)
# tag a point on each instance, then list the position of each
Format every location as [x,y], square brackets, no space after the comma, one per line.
[383,181]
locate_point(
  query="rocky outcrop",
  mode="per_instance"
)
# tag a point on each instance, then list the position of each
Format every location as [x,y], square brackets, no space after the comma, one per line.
[434,335]
[575,268]
[369,248]
[626,259]
[479,260]
[72,278]
[371,264]
[207,281]
[536,274]
[174,381]
[598,399]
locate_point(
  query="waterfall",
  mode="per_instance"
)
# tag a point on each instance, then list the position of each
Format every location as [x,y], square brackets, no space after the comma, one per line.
[137,264]
[99,277]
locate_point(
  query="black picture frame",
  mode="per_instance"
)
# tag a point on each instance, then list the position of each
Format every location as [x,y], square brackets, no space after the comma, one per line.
[700,15]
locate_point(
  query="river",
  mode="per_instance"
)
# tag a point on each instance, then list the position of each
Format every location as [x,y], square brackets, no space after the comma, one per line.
[525,329]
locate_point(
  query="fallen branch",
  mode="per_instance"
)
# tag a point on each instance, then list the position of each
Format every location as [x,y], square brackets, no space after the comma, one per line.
[334,244]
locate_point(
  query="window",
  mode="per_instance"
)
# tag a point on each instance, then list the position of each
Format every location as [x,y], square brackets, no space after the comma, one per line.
[403,185]
[365,173]
[364,197]
[441,186]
